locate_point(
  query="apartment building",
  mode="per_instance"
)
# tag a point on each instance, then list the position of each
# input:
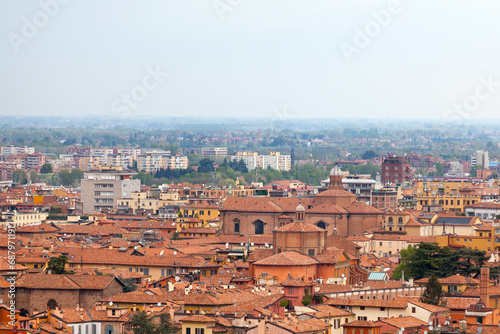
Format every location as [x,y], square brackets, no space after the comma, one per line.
[274,160]
[102,189]
[14,150]
[214,151]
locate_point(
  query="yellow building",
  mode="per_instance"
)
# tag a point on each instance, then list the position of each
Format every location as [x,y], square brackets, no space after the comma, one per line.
[203,212]
[441,187]
[198,323]
[141,200]
[451,203]
[484,243]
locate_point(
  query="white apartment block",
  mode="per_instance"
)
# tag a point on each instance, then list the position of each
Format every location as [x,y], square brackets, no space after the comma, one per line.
[14,150]
[480,158]
[214,151]
[133,152]
[153,162]
[274,160]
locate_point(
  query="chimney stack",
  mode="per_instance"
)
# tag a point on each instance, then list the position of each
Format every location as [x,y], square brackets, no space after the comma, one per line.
[485,286]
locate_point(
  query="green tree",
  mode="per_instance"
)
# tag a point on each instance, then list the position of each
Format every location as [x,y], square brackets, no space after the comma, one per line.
[370,154]
[77,174]
[175,236]
[141,323]
[206,166]
[19,176]
[439,169]
[474,169]
[57,265]
[165,326]
[129,284]
[433,292]
[46,168]
[307,299]
[66,178]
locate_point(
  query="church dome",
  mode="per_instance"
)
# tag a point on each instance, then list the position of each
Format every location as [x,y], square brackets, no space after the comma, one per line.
[300,208]
[336,171]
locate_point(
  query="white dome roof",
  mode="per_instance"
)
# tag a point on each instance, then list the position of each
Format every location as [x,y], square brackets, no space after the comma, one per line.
[300,207]
[336,171]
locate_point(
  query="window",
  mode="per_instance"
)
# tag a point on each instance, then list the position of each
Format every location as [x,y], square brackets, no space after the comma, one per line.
[380,243]
[94,329]
[188,330]
[362,308]
[291,290]
[382,309]
[413,310]
[390,244]
[362,318]
[199,331]
[310,252]
[259,227]
[336,323]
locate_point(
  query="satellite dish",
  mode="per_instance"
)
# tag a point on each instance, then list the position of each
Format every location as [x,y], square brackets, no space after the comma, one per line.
[242,244]
[426,332]
[342,275]
[175,252]
[251,244]
[162,251]
[135,247]
[402,329]
[110,303]
[430,323]
[431,328]
[159,304]
[267,245]
[177,278]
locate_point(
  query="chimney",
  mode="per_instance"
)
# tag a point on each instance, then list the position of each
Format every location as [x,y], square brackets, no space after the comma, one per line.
[485,286]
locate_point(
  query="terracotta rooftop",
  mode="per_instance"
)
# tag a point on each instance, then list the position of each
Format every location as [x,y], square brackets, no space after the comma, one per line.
[406,322]
[299,227]
[287,259]
[362,324]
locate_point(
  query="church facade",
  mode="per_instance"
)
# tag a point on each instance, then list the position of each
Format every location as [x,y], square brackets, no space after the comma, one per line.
[334,210]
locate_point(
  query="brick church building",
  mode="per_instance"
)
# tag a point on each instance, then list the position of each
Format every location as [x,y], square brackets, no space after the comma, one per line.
[335,210]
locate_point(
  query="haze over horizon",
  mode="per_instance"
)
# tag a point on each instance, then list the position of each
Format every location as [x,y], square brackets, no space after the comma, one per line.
[286,59]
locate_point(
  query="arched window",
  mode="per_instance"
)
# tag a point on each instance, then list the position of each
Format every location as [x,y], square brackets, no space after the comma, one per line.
[109,329]
[400,220]
[321,225]
[259,227]
[236,225]
[51,305]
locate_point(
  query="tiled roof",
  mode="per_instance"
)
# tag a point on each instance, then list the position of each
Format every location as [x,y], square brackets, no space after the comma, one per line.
[287,259]
[358,238]
[335,193]
[327,208]
[360,207]
[452,280]
[114,256]
[329,256]
[400,303]
[459,303]
[429,307]
[324,311]
[406,322]
[300,227]
[362,324]
[295,282]
[303,326]
[198,318]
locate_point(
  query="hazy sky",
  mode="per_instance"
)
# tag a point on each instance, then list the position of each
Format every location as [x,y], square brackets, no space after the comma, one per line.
[275,58]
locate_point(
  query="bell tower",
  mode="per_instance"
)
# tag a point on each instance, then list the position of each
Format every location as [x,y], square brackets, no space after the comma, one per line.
[336,178]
